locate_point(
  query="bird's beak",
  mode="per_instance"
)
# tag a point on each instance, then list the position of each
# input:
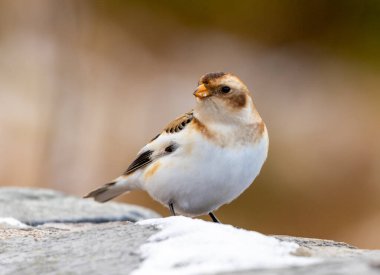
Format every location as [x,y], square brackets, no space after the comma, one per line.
[202,92]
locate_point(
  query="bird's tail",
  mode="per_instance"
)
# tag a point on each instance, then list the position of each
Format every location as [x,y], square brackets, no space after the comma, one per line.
[108,191]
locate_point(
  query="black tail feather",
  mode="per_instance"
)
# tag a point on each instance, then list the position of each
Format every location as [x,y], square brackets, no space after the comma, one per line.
[105,193]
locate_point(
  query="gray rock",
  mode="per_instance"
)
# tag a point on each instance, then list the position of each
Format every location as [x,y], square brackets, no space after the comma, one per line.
[111,248]
[76,247]
[338,259]
[107,248]
[367,263]
[39,206]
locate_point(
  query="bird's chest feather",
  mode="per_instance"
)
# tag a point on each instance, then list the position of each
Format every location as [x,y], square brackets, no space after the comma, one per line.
[202,164]
[205,174]
[227,164]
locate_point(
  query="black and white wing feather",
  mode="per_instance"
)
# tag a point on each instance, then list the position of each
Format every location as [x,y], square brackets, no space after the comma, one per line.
[162,145]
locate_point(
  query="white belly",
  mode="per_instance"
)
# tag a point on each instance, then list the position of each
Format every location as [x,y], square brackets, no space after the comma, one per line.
[208,177]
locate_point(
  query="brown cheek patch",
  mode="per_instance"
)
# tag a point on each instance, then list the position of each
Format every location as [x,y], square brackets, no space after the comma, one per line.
[152,170]
[237,101]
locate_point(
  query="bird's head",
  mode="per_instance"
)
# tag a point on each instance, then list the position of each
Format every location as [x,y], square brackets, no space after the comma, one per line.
[223,95]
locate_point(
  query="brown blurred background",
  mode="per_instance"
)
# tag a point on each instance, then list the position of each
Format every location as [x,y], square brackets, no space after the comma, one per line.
[84,84]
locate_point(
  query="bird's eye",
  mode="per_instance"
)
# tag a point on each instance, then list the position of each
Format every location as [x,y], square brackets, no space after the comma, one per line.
[225,89]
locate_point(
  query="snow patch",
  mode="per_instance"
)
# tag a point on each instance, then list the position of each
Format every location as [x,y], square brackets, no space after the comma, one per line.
[193,246]
[9,222]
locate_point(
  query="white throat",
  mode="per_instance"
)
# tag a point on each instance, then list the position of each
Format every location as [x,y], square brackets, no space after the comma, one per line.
[214,111]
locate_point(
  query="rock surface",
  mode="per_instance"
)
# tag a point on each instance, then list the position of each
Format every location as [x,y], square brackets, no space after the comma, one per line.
[77,247]
[38,206]
[107,248]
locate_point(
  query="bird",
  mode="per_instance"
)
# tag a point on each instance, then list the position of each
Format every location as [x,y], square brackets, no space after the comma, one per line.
[203,159]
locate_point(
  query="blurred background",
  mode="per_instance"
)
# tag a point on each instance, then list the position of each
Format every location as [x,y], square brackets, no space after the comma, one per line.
[85,84]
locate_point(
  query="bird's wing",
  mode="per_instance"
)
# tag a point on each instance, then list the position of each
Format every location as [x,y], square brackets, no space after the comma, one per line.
[163,144]
[179,123]
[142,160]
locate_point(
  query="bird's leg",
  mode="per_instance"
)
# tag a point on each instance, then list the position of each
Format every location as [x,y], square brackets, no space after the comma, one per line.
[171,207]
[214,218]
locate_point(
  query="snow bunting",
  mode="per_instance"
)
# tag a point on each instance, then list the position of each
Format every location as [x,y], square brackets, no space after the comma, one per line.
[204,158]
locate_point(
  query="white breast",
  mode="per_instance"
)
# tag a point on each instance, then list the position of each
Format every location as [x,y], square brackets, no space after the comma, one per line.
[201,176]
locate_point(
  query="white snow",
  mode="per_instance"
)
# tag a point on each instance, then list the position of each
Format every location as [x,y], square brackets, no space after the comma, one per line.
[9,222]
[193,246]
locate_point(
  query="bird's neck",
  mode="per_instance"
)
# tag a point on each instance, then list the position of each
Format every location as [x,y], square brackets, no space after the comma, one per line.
[212,113]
